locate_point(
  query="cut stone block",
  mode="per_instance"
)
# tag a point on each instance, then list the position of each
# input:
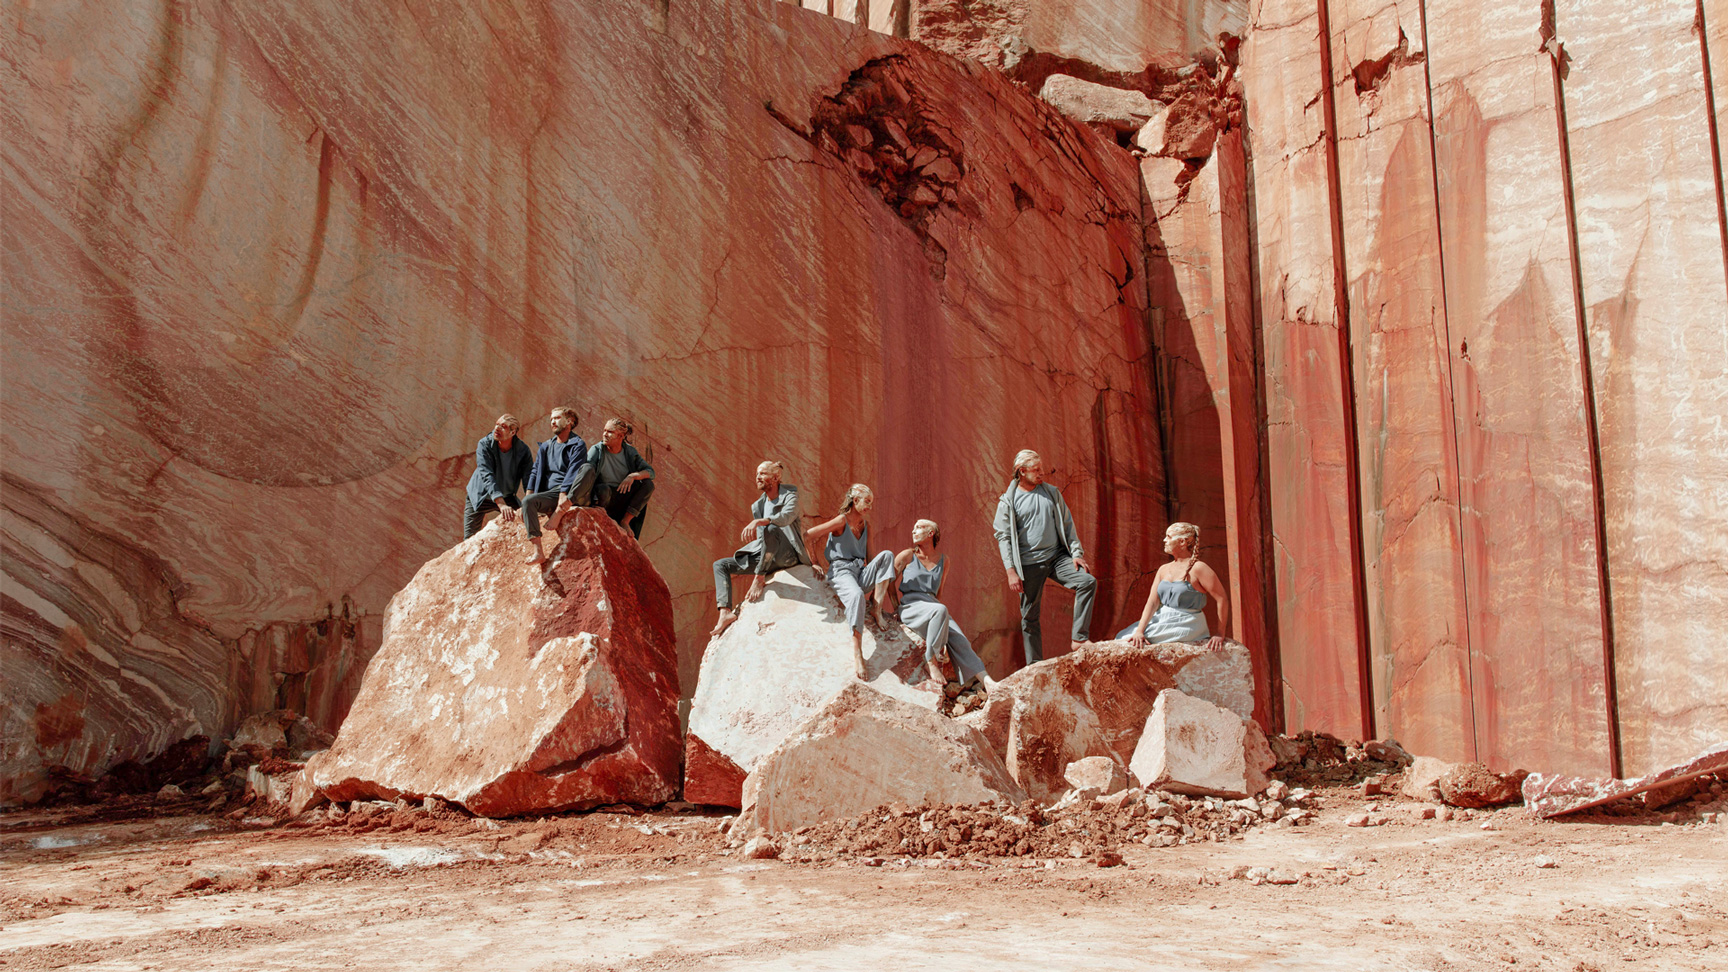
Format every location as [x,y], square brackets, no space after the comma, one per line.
[1192,746]
[1100,773]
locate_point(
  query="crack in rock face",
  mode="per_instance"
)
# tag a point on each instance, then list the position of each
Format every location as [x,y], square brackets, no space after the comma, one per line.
[881,128]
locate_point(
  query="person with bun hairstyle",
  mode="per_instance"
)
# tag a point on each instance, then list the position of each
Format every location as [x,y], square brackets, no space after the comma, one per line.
[615,477]
[1179,592]
[921,574]
[854,574]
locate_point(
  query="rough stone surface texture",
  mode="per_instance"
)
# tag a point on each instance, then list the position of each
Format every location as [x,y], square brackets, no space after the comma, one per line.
[1475,785]
[1096,104]
[1100,773]
[511,690]
[1192,746]
[1108,36]
[1094,702]
[369,230]
[1549,795]
[864,749]
[773,670]
[1422,778]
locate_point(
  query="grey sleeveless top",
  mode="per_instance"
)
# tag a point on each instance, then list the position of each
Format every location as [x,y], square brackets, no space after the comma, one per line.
[920,583]
[845,545]
[1181,595]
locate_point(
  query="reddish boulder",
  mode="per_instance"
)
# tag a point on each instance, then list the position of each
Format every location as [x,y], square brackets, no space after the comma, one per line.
[1475,785]
[511,690]
[1094,702]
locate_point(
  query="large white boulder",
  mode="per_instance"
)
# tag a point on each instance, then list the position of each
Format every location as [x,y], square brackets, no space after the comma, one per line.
[864,749]
[780,662]
[1192,746]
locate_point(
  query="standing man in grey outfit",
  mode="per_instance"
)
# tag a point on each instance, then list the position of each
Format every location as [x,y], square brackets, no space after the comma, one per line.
[773,540]
[1035,534]
[501,464]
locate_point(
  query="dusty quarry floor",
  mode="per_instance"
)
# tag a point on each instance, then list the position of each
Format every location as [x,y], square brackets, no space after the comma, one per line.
[107,888]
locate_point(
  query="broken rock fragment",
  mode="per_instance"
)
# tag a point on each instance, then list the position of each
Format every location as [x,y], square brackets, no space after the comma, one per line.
[512,690]
[1551,796]
[1192,746]
[864,749]
[1096,104]
[1475,785]
[1100,773]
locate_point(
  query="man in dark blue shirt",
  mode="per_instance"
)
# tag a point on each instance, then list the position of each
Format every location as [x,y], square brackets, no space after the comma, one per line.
[554,472]
[501,463]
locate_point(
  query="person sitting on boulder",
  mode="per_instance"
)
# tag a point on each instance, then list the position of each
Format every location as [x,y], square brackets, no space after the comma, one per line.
[555,467]
[615,477]
[921,574]
[501,464]
[1035,535]
[772,542]
[1179,591]
[851,570]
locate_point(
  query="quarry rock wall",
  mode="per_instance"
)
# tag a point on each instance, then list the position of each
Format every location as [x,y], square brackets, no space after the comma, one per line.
[1419,309]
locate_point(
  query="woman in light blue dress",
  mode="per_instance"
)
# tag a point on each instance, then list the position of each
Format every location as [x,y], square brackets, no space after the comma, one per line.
[852,572]
[1176,607]
[921,572]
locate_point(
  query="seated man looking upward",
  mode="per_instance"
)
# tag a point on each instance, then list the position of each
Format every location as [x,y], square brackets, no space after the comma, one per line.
[501,464]
[554,472]
[615,478]
[773,540]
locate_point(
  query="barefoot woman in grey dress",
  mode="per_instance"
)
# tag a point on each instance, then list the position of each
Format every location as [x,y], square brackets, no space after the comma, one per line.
[921,609]
[852,572]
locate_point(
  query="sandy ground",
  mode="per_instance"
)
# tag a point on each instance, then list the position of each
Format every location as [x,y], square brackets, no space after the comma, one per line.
[596,891]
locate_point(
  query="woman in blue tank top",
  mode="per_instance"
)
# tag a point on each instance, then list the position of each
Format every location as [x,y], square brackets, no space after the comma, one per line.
[921,609]
[1176,607]
[851,570]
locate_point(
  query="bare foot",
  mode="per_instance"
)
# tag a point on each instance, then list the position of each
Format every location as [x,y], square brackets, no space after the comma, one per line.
[1077,645]
[539,554]
[726,619]
[758,587]
[557,517]
[625,523]
[858,663]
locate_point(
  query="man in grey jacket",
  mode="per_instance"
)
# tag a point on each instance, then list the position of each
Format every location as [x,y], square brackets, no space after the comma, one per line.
[773,540]
[1035,534]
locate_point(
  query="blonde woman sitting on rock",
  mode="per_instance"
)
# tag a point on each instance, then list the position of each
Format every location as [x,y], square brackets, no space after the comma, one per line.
[852,572]
[921,609]
[1179,592]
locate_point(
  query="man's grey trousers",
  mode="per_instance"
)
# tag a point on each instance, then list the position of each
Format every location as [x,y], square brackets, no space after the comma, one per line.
[1062,571]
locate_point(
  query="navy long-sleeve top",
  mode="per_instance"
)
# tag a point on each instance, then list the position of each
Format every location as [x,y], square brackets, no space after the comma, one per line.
[557,464]
[498,473]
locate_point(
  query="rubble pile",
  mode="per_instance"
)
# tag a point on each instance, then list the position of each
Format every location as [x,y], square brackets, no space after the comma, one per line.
[1080,825]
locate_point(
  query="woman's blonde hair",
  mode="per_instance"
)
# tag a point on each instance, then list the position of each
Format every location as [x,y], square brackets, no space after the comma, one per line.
[1181,530]
[926,528]
[854,493]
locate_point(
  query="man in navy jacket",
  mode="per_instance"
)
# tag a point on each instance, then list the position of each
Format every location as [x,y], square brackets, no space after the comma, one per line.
[501,463]
[554,472]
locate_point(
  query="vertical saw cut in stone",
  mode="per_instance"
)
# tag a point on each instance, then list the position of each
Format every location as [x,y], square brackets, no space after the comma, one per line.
[1094,702]
[512,691]
[1192,746]
[772,670]
[864,749]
